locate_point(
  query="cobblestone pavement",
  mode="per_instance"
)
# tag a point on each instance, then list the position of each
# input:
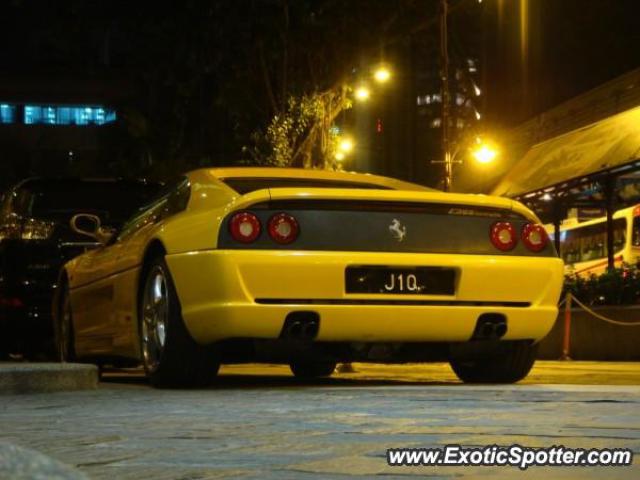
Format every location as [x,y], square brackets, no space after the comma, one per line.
[260,423]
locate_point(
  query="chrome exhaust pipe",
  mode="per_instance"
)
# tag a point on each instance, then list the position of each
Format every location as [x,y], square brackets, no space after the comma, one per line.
[490,326]
[310,330]
[301,326]
[500,329]
[295,329]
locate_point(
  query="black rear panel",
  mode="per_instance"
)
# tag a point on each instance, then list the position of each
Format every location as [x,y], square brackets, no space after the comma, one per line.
[385,227]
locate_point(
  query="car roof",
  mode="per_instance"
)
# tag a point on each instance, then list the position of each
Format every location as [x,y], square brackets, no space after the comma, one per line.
[313,174]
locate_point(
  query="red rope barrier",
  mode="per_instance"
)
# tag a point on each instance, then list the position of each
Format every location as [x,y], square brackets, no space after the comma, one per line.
[566,341]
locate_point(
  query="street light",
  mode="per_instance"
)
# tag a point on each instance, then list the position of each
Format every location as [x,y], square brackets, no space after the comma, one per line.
[363,93]
[483,151]
[341,147]
[382,74]
[484,154]
[480,150]
[345,145]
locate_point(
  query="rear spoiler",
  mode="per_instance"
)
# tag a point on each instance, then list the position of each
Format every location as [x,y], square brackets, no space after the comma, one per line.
[387,196]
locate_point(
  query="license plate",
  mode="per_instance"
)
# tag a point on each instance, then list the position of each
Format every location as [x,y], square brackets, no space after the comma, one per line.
[400,280]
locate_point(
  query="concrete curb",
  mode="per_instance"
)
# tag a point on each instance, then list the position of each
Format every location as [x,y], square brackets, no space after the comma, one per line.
[46,377]
[20,463]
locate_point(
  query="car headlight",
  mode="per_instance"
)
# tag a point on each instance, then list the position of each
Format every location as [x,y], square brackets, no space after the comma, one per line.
[37,229]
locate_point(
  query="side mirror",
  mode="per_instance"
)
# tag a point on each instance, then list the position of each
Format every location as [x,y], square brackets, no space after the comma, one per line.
[91,226]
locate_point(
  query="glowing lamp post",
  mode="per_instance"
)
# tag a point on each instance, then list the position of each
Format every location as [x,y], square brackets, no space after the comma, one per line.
[345,145]
[382,74]
[484,154]
[362,93]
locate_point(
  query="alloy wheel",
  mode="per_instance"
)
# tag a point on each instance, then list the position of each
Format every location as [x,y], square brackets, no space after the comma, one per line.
[155,317]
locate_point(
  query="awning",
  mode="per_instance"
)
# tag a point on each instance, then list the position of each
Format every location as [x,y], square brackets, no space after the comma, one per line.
[602,146]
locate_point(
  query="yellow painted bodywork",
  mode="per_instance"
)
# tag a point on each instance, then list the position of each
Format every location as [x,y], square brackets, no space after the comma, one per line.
[218,288]
[227,299]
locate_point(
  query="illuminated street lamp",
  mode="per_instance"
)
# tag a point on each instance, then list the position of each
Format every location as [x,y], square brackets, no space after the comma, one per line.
[481,151]
[362,93]
[343,148]
[484,154]
[345,145]
[382,74]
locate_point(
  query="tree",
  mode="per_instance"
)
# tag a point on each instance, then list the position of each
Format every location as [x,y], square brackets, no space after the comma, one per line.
[306,54]
[301,135]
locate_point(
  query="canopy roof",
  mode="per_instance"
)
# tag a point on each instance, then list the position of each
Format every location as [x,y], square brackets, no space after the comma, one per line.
[594,149]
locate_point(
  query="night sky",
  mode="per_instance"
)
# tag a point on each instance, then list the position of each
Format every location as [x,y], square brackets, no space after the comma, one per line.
[573,46]
[195,80]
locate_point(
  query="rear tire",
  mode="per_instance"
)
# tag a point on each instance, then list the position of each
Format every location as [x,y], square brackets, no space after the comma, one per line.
[312,369]
[508,366]
[171,357]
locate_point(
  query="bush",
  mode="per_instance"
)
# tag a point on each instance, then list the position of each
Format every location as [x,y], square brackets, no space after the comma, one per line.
[616,287]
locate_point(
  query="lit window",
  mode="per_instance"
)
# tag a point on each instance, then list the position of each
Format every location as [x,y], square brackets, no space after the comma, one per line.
[32,114]
[67,115]
[7,113]
[49,115]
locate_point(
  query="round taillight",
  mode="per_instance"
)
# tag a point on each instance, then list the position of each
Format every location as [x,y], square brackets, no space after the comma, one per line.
[283,228]
[244,227]
[534,237]
[503,236]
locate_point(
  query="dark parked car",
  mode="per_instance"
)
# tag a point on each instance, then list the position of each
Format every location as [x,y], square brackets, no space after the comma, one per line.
[36,240]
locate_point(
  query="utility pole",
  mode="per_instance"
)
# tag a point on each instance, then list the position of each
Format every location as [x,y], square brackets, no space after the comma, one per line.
[446,103]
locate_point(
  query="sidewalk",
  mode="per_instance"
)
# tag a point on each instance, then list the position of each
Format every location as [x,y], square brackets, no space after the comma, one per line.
[260,422]
[544,372]
[19,377]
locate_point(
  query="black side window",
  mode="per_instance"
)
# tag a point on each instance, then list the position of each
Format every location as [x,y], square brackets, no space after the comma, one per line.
[170,201]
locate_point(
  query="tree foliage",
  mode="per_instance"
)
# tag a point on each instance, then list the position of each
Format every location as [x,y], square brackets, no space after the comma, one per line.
[304,55]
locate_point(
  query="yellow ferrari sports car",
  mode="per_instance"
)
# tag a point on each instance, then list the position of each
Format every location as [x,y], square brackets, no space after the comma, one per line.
[310,268]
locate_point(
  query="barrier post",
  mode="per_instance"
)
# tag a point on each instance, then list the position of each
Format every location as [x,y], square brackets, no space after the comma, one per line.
[566,340]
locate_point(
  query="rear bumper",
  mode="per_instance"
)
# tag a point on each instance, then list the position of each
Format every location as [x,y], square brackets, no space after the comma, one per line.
[247,294]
